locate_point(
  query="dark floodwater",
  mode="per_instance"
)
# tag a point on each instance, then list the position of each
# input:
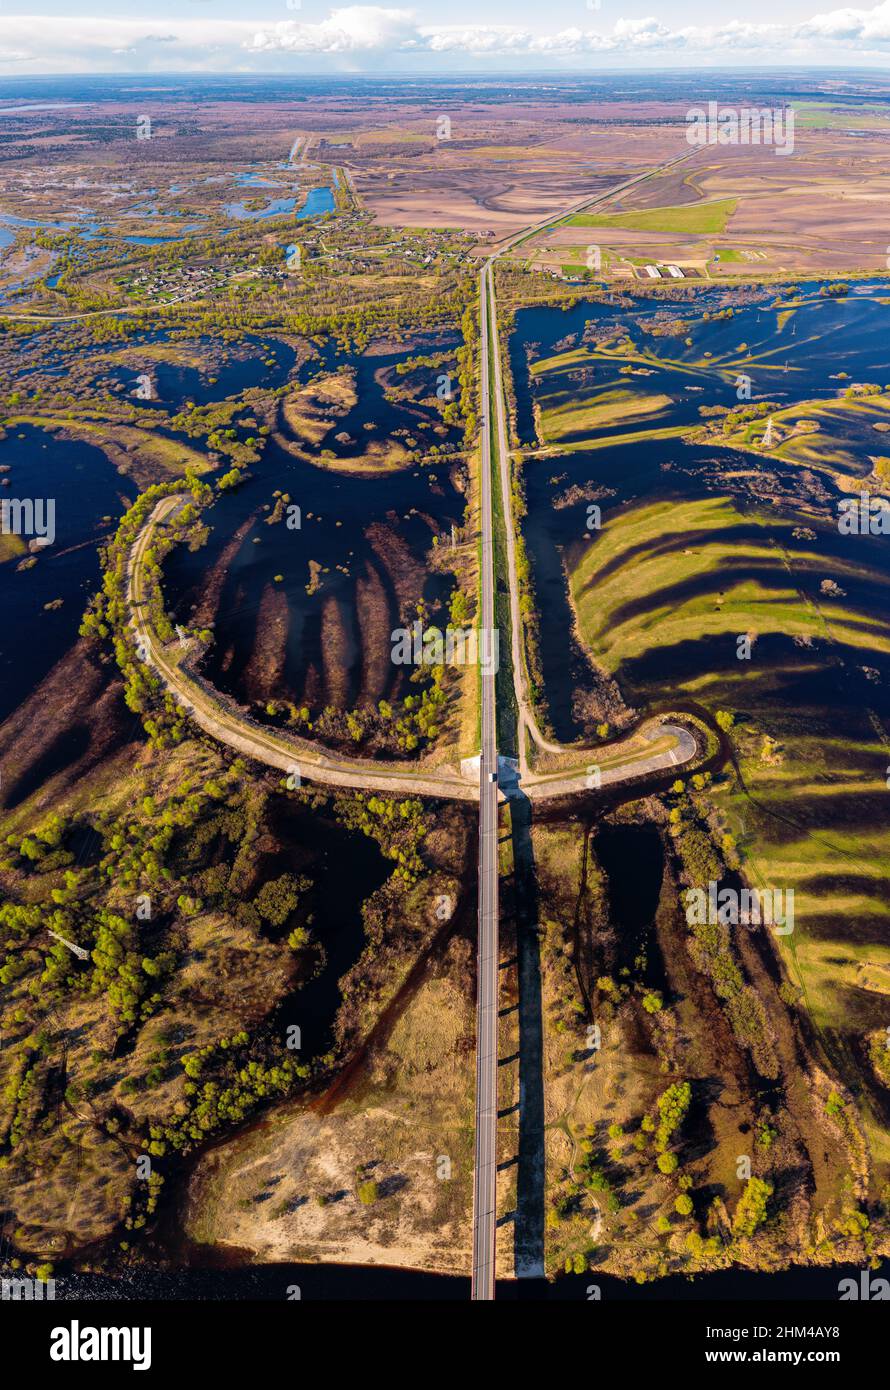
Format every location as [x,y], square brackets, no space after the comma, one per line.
[318,847]
[632,859]
[367,536]
[274,1283]
[404,510]
[83,488]
[799,360]
[233,368]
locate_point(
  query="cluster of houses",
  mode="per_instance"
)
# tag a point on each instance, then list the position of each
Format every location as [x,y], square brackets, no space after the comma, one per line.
[179,279]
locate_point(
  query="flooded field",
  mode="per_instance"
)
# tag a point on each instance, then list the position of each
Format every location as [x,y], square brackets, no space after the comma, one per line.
[302,613]
[800,360]
[686,471]
[306,614]
[43,603]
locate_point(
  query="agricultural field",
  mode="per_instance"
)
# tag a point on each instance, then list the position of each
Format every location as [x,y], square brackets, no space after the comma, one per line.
[308,378]
[698,218]
[743,215]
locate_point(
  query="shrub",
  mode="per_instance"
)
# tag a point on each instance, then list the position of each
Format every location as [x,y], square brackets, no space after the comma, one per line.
[751,1210]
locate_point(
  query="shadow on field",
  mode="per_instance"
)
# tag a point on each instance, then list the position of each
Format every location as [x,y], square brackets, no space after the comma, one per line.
[528,1240]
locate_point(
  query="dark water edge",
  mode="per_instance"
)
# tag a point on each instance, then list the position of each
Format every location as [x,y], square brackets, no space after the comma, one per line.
[83,487]
[362,1283]
[828,335]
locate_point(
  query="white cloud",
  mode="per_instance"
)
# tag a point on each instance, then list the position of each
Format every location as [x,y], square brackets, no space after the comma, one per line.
[353,33]
[354,29]
[371,29]
[57,43]
[870,28]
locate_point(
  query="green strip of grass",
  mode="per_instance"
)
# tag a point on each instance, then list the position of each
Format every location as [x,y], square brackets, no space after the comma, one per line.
[696,218]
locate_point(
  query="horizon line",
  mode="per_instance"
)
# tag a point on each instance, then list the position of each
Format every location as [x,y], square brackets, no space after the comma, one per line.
[401,73]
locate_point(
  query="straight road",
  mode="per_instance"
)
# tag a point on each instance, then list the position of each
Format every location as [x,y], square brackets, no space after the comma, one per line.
[227,726]
[485,1170]
[495,403]
[494,427]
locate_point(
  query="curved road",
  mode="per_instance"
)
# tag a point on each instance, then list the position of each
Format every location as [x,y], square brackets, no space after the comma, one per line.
[619,762]
[616,762]
[526,715]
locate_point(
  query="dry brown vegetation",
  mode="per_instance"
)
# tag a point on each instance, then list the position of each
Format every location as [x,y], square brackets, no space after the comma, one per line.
[289,1189]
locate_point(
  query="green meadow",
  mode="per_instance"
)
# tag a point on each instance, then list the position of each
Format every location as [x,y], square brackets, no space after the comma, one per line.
[662,596]
[697,219]
[573,417]
[842,438]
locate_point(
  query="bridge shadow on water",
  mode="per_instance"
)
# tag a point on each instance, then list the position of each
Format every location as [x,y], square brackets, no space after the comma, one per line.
[528,1238]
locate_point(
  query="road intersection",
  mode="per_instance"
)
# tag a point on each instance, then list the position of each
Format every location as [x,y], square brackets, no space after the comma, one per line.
[657,746]
[495,442]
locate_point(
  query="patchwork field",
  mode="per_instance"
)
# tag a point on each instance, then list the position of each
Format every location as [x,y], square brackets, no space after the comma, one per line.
[741,212]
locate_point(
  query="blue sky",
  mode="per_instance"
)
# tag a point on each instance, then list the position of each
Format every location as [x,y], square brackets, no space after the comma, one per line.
[306,36]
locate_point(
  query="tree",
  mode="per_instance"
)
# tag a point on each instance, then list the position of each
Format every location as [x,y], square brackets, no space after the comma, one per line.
[368,1192]
[278,898]
[672,1107]
[683,1204]
[751,1210]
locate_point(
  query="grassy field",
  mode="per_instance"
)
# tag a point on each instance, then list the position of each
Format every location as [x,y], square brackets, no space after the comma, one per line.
[571,414]
[662,598]
[821,115]
[310,413]
[695,218]
[143,454]
[687,571]
[848,436]
[567,416]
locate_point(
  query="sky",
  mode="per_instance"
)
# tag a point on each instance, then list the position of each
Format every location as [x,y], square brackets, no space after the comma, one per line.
[433,36]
